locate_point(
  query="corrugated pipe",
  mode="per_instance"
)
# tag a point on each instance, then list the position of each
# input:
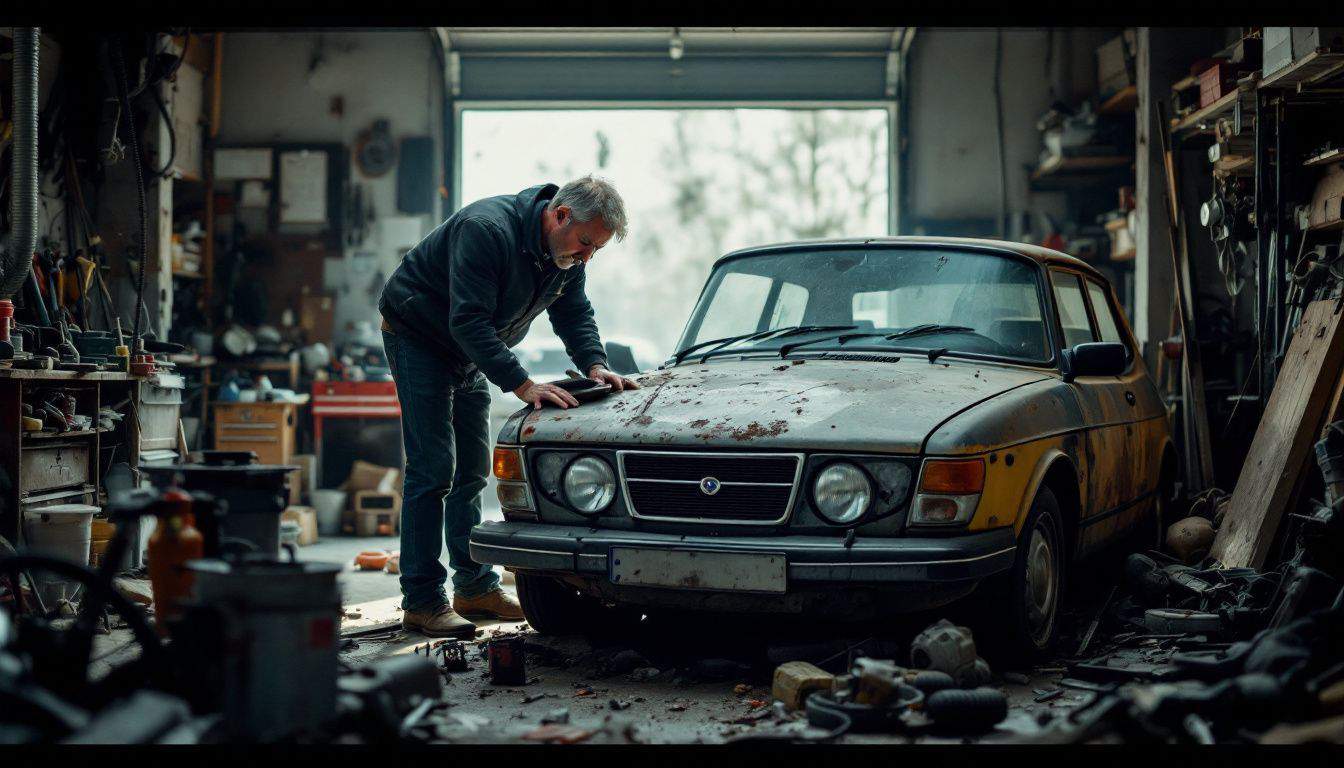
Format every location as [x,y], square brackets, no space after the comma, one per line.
[18,259]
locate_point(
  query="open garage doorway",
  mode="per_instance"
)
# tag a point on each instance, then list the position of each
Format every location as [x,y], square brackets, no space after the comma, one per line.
[697,183]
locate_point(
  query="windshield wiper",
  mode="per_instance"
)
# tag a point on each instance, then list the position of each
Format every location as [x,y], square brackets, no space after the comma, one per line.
[788,330]
[915,330]
[919,330]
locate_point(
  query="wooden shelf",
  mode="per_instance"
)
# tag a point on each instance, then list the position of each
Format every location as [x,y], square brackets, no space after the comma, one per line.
[1313,69]
[1196,120]
[1064,172]
[47,435]
[1124,101]
[1325,158]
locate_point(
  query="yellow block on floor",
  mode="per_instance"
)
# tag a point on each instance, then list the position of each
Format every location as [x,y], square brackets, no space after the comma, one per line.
[795,680]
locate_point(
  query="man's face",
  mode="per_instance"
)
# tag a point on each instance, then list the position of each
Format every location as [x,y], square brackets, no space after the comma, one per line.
[574,242]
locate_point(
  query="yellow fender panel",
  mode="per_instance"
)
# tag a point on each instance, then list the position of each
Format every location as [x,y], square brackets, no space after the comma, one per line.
[1014,474]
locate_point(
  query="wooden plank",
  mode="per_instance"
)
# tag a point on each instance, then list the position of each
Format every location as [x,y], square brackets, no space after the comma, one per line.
[1123,101]
[1198,446]
[1303,391]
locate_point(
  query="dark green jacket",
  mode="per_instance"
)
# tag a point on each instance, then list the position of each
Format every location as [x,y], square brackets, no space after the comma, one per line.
[474,285]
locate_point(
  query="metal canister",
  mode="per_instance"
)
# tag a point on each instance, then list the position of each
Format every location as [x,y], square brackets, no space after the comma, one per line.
[507,661]
[253,495]
[280,652]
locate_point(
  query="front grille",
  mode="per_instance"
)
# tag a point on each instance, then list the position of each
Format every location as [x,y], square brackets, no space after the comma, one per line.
[754,488]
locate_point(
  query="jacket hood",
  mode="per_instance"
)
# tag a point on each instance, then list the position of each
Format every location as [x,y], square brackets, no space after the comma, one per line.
[888,407]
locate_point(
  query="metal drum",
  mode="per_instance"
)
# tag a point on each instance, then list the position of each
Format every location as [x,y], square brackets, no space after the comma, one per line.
[281,623]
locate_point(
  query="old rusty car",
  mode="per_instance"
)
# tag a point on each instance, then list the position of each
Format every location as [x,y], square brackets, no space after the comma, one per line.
[849,427]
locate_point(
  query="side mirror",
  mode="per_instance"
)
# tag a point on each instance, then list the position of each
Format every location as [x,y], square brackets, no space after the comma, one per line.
[1101,358]
[621,358]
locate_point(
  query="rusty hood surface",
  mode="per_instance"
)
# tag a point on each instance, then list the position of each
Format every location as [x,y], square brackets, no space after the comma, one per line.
[783,404]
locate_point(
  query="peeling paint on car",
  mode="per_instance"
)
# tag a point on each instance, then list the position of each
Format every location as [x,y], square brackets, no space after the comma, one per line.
[887,409]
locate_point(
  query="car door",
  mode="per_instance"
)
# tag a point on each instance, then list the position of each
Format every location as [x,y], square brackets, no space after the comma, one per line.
[1105,419]
[1142,409]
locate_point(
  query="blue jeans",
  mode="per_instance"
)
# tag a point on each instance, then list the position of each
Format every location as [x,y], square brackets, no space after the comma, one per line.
[445,426]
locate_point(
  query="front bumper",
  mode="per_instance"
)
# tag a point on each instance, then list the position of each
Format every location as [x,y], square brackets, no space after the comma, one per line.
[584,551]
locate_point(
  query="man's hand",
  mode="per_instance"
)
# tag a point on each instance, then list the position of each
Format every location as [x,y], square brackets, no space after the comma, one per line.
[618,382]
[532,392]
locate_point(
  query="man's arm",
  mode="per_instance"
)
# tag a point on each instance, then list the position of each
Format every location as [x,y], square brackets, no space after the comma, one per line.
[477,253]
[572,319]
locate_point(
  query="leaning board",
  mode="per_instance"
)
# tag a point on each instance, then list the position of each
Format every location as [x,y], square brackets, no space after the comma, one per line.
[1280,450]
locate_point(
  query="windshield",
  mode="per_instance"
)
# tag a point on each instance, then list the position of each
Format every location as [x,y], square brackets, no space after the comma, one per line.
[909,298]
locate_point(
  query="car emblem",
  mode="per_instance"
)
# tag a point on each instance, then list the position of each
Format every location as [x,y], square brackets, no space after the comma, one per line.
[709,486]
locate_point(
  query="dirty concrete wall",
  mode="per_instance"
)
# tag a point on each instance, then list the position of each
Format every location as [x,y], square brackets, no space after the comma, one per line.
[953,160]
[272,92]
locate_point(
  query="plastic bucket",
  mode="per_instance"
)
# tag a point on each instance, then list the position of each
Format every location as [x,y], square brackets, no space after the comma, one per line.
[329,505]
[63,532]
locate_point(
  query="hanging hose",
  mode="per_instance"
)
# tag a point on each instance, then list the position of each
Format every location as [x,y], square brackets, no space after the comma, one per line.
[119,64]
[18,259]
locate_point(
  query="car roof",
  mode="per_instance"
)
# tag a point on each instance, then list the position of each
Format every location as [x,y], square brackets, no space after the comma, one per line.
[1033,252]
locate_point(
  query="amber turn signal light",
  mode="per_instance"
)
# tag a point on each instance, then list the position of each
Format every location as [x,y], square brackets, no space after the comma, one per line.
[508,464]
[953,476]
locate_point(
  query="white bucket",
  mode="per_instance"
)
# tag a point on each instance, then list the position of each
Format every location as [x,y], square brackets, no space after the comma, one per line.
[63,532]
[329,505]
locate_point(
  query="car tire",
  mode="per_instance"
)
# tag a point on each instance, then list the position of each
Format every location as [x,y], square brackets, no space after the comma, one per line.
[551,606]
[1026,604]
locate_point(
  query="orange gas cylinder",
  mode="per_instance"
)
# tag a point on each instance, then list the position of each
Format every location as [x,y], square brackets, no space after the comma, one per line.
[174,542]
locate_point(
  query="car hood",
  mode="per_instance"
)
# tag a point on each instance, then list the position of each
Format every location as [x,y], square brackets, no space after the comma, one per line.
[864,405]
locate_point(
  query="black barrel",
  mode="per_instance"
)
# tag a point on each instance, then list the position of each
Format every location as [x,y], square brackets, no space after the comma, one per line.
[254,494]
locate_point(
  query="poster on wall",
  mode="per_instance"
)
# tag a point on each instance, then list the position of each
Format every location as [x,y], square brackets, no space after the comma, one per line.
[236,163]
[303,187]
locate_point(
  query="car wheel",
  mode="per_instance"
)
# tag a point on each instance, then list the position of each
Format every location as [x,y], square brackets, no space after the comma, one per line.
[1029,611]
[551,606]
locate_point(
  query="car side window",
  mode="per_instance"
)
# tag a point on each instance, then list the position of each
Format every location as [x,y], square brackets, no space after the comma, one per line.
[1107,327]
[1072,309]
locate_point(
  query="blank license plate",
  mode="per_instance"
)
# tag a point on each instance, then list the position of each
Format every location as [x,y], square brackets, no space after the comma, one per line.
[697,569]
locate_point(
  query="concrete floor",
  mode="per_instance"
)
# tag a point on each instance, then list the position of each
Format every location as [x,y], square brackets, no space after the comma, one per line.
[668,701]
[671,698]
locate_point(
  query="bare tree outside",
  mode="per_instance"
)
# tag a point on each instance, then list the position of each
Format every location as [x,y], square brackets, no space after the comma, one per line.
[697,183]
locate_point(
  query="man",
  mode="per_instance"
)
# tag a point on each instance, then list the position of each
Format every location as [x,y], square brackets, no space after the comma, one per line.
[452,309]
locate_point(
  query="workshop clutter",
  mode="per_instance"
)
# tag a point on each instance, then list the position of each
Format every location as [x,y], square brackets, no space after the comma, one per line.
[375,499]
[1198,652]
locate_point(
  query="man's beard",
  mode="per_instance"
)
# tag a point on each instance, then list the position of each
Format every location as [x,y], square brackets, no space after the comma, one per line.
[565,262]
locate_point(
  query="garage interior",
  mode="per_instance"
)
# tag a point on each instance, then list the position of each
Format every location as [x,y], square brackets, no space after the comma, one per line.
[198,224]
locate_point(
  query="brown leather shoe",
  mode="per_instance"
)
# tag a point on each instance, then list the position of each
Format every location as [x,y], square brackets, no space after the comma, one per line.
[495,604]
[440,622]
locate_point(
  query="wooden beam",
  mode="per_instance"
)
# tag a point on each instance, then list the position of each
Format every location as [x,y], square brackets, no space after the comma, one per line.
[1302,397]
[1199,466]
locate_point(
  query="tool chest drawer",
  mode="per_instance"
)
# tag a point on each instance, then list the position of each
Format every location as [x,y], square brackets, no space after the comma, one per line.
[57,465]
[266,429]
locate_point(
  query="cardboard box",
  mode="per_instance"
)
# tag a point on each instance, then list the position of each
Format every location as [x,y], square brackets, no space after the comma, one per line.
[306,517]
[1115,69]
[365,476]
[1327,202]
[375,510]
[1278,48]
[1307,39]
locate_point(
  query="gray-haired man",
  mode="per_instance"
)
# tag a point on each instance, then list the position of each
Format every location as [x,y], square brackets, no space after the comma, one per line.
[452,309]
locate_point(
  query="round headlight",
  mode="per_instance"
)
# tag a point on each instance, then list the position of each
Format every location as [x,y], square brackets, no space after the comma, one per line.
[590,485]
[842,492]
